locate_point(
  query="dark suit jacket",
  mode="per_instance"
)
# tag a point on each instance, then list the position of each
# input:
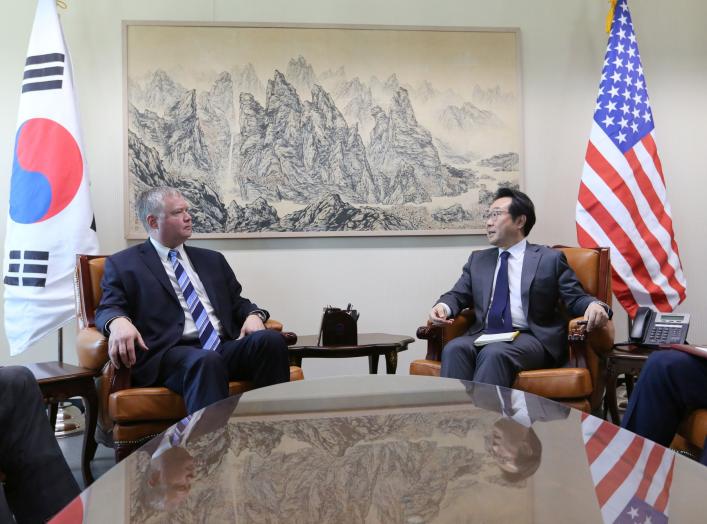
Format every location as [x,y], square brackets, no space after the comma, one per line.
[486,396]
[135,285]
[546,279]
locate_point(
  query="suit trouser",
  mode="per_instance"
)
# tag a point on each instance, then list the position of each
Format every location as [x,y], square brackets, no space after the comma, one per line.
[671,384]
[38,482]
[201,376]
[498,363]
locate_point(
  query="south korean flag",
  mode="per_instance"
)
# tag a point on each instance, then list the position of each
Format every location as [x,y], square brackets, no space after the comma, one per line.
[50,216]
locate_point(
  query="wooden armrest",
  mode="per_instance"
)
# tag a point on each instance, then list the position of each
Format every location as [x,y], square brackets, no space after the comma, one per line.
[460,325]
[275,325]
[290,337]
[429,332]
[601,340]
[437,335]
[577,331]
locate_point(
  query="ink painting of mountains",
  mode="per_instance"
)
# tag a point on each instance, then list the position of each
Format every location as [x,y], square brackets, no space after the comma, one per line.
[303,131]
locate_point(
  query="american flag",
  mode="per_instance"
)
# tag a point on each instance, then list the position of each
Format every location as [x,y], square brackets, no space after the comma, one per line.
[631,475]
[622,199]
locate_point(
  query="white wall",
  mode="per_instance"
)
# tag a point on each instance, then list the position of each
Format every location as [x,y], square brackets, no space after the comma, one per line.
[394,280]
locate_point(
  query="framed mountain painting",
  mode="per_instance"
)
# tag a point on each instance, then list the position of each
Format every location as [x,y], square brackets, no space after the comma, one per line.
[309,131]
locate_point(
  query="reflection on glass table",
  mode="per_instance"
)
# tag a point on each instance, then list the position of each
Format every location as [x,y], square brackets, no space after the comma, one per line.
[394,449]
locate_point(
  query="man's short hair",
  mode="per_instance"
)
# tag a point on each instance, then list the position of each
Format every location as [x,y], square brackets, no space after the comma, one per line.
[520,205]
[151,202]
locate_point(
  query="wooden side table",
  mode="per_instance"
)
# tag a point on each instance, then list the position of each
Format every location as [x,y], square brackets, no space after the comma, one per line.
[370,345]
[626,359]
[59,382]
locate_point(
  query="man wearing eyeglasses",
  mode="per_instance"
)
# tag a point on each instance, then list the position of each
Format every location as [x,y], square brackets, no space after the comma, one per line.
[514,286]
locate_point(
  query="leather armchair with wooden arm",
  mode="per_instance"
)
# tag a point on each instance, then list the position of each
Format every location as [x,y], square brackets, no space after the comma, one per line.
[692,433]
[128,417]
[581,383]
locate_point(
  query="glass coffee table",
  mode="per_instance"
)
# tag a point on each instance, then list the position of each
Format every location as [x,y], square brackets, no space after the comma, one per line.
[393,448]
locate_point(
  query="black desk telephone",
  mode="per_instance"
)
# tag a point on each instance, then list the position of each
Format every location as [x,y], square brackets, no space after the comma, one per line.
[650,328]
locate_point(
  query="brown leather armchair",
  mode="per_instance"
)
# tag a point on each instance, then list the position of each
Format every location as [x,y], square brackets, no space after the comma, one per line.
[581,384]
[692,433]
[128,417]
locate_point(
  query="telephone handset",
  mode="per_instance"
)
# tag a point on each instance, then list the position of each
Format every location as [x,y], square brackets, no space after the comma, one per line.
[650,328]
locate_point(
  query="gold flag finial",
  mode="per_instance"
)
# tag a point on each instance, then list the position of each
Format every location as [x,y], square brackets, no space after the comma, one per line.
[610,15]
[62,4]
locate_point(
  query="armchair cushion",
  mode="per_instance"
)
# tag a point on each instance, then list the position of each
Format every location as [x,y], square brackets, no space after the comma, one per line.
[157,403]
[561,383]
[427,368]
[555,383]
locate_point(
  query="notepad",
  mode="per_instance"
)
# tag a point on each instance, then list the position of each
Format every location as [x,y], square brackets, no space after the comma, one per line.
[496,337]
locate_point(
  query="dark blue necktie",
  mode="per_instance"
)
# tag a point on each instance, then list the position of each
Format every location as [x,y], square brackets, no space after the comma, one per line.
[499,318]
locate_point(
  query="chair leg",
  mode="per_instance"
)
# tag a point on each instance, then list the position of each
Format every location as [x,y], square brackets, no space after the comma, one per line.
[53,412]
[124,450]
[90,402]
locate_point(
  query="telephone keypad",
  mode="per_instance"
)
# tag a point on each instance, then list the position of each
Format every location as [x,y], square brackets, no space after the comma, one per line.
[660,334]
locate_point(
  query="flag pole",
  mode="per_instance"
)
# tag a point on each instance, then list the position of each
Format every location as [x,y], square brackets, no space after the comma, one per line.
[50,218]
[69,419]
[60,345]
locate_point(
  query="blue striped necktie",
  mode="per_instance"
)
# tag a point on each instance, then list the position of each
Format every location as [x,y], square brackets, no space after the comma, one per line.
[207,334]
[175,438]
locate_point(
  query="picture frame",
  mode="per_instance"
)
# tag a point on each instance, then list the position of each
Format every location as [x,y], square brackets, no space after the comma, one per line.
[304,130]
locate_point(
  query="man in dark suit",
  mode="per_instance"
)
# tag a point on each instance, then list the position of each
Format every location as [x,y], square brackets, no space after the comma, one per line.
[671,384]
[175,314]
[513,443]
[513,287]
[38,482]
[172,469]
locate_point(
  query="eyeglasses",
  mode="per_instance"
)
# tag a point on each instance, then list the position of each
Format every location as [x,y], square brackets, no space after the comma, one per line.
[493,214]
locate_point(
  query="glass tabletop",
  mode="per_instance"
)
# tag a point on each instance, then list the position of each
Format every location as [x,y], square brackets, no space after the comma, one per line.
[394,448]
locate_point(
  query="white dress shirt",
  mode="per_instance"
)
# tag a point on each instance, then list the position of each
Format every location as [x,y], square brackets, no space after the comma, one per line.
[518,410]
[515,270]
[190,331]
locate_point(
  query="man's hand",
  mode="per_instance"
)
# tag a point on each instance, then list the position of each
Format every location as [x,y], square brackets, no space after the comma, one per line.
[438,315]
[596,316]
[252,324]
[121,343]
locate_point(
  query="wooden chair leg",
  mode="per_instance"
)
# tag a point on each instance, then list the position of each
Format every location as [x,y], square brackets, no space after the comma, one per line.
[90,402]
[123,450]
[53,412]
